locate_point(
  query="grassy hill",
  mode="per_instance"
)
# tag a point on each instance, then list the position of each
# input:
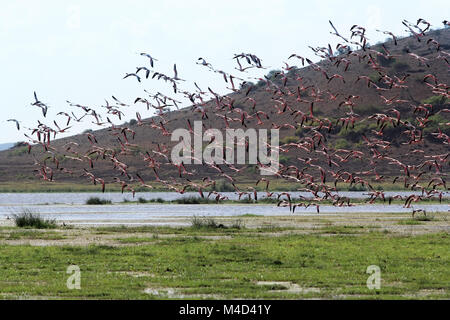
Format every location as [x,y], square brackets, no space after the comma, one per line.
[270,96]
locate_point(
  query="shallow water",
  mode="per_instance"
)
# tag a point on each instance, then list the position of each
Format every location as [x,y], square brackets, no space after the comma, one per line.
[115,197]
[141,212]
[70,207]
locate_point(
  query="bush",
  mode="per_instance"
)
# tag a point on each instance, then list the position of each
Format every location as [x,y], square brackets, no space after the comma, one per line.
[435,123]
[223,186]
[436,101]
[354,134]
[142,200]
[210,223]
[342,144]
[205,223]
[288,139]
[357,188]
[157,200]
[96,201]
[300,132]
[30,219]
[284,159]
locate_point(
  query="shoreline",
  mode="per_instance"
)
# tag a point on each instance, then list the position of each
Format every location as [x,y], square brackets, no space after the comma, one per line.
[275,186]
[252,220]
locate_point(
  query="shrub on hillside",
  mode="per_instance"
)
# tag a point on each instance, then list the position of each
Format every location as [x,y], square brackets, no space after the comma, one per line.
[342,144]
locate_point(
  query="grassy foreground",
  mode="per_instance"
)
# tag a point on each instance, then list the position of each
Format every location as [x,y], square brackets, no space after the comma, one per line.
[225,262]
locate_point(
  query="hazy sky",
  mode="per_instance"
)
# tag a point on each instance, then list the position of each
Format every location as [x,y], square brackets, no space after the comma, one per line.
[80,50]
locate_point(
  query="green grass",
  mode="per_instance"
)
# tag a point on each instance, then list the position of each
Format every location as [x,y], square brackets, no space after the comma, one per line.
[341,229]
[137,239]
[409,222]
[231,267]
[424,217]
[33,234]
[194,230]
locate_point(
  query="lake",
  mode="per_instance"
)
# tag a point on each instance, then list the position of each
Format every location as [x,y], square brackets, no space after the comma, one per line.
[116,197]
[71,208]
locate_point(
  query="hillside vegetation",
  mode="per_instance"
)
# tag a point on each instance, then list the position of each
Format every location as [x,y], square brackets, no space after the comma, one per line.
[388,105]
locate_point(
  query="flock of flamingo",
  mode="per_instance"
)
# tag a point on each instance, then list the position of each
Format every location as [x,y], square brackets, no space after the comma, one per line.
[321,164]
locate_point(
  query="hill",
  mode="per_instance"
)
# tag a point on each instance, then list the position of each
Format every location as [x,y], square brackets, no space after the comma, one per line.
[6,146]
[387,100]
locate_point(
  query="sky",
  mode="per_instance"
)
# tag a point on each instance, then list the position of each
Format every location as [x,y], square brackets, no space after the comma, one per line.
[80,50]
